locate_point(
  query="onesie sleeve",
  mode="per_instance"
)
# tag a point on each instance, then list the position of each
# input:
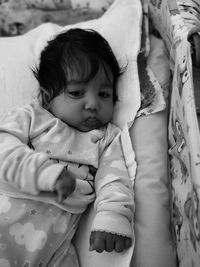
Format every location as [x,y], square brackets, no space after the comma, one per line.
[21,166]
[114,204]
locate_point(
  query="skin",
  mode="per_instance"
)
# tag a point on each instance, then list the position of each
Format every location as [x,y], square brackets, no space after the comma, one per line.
[91,104]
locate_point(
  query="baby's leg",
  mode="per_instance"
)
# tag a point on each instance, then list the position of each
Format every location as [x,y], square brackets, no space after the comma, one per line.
[35,233]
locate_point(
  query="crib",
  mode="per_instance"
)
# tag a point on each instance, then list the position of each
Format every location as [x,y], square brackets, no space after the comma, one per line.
[164,132]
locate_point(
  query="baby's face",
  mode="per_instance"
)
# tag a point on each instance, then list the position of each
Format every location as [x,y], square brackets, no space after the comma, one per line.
[86,105]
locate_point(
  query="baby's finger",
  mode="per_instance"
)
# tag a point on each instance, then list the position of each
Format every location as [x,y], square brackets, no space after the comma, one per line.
[119,244]
[128,242]
[61,197]
[110,244]
[91,247]
[97,243]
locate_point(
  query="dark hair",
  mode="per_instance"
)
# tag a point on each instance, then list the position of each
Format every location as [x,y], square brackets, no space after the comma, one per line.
[82,51]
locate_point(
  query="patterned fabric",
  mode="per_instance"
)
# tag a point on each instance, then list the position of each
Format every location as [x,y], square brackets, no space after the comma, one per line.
[18,17]
[38,234]
[34,148]
[152,92]
[176,26]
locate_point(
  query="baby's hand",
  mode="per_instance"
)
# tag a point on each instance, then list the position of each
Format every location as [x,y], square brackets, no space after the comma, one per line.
[65,185]
[101,241]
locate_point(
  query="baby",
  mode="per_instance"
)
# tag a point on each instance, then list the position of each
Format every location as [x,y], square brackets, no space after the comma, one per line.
[60,153]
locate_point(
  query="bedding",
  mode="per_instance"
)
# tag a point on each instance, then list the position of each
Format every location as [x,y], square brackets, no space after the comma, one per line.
[121,26]
[18,17]
[183,129]
[149,139]
[152,186]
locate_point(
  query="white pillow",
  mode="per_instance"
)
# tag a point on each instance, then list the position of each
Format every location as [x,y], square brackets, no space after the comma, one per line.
[120,25]
[154,246]
[18,55]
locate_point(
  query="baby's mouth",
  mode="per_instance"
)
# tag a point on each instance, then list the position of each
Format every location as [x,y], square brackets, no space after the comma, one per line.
[92,122]
[92,119]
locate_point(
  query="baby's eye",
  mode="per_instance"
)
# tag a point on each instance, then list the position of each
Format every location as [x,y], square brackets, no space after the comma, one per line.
[105,94]
[75,93]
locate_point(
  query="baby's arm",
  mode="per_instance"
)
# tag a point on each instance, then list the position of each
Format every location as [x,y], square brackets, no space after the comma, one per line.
[114,205]
[20,165]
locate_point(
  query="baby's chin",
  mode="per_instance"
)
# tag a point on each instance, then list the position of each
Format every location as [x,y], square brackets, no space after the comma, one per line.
[85,129]
[88,127]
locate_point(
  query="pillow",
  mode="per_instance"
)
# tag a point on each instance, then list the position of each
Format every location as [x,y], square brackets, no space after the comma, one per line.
[153,244]
[18,85]
[149,139]
[18,55]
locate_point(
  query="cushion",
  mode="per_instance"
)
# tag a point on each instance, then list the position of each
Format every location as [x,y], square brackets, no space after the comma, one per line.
[18,55]
[149,139]
[18,86]
[153,246]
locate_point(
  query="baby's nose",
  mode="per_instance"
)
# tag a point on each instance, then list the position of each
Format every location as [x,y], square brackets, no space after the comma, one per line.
[92,103]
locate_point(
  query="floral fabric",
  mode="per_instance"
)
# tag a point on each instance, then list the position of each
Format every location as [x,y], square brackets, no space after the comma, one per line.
[18,17]
[176,21]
